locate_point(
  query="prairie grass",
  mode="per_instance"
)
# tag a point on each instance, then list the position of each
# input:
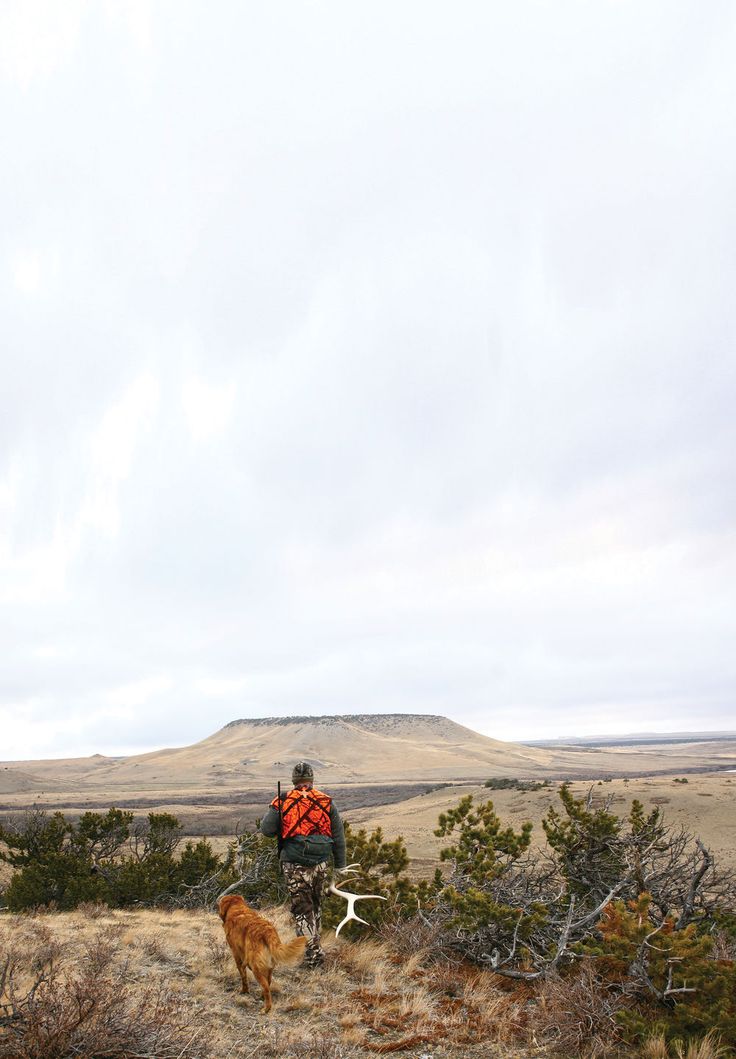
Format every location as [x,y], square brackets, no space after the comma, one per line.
[415,962]
[578,1015]
[166,986]
[709,1047]
[367,1000]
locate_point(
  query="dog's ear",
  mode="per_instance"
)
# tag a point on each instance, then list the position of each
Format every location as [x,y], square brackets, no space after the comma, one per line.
[225,903]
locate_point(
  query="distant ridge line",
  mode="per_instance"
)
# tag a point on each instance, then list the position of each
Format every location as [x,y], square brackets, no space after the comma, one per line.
[325,717]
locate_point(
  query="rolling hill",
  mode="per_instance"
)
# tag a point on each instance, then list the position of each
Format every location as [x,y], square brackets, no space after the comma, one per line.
[347,749]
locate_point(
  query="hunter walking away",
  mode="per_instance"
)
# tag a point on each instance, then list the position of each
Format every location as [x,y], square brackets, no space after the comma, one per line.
[310,832]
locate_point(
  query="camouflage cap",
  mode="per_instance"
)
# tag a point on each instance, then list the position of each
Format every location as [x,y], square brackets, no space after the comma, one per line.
[302,773]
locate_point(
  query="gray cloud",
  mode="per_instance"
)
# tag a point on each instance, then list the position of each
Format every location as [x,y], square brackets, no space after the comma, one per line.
[365,362]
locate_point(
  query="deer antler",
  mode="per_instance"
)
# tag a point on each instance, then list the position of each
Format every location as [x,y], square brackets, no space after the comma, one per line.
[352,898]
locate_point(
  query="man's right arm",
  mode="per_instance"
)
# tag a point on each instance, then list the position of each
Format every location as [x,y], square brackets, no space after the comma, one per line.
[270,822]
[338,838]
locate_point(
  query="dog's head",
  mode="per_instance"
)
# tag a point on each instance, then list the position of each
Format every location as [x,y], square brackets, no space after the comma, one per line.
[227,902]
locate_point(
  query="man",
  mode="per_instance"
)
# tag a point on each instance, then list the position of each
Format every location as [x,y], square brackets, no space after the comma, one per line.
[311,830]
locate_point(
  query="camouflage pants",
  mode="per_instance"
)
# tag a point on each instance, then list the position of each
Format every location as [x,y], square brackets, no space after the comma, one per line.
[307,887]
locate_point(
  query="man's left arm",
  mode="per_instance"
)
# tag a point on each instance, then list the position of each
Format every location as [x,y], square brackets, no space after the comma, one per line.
[270,822]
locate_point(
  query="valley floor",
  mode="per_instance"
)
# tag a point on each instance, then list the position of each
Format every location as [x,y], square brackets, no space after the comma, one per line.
[705,806]
[703,803]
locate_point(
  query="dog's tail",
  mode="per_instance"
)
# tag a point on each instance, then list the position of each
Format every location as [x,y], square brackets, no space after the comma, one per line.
[289,952]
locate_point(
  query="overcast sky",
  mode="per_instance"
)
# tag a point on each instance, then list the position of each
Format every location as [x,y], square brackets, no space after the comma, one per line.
[365,358]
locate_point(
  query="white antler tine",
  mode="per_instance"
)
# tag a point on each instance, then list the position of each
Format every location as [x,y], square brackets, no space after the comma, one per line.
[350,919]
[351,899]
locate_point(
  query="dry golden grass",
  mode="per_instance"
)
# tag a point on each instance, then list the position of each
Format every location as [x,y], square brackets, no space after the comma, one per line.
[705,806]
[367,1000]
[707,1048]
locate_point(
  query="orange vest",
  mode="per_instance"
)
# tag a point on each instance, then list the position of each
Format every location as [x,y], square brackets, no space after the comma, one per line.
[305,812]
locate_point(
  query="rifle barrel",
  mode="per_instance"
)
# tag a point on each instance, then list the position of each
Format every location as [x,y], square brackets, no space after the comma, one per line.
[280,838]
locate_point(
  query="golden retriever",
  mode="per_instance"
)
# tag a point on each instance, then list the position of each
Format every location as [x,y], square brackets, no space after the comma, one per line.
[255,943]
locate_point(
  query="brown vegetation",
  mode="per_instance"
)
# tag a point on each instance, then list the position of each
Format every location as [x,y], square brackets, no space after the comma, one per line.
[149,983]
[124,984]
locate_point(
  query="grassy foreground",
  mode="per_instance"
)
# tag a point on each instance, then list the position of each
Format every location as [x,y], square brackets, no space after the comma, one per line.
[150,984]
[164,984]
